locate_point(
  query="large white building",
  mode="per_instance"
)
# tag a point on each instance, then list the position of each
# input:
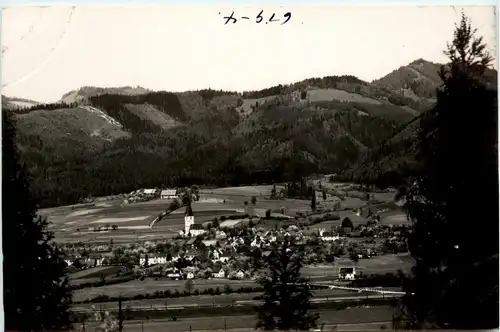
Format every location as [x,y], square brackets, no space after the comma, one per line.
[168,194]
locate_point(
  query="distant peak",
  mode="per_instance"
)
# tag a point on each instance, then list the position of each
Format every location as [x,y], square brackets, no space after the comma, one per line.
[421,61]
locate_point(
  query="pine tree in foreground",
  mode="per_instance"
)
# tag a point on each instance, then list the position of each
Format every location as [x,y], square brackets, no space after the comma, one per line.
[36,293]
[453,203]
[286,294]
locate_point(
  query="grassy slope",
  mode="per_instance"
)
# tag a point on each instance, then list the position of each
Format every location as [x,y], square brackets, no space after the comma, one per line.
[69,124]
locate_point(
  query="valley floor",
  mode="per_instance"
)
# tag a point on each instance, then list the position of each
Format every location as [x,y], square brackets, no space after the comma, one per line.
[352,319]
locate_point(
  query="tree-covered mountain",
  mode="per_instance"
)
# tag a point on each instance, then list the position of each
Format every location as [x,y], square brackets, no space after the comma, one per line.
[100,141]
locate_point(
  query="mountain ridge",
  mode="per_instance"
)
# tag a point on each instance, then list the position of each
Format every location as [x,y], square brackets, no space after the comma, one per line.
[85,92]
[119,139]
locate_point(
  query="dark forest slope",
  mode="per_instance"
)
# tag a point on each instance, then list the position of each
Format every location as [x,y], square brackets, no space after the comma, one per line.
[116,140]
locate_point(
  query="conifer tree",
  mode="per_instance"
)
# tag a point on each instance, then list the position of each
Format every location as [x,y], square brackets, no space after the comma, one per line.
[313,199]
[455,277]
[36,293]
[286,293]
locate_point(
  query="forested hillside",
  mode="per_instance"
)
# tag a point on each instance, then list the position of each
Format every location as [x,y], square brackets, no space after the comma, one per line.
[108,141]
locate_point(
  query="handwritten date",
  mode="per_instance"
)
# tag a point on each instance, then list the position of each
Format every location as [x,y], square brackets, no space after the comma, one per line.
[260,18]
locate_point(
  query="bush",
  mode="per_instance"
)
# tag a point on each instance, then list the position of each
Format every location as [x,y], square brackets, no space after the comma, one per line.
[268,213]
[254,200]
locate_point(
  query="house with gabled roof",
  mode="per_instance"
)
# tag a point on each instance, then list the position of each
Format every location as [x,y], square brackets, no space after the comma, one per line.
[240,274]
[220,274]
[149,191]
[347,273]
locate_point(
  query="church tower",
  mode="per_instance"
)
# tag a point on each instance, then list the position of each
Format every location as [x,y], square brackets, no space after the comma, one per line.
[188,219]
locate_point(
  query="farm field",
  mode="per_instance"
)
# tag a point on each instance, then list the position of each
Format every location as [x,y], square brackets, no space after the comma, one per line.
[318,274]
[95,272]
[207,300]
[77,223]
[137,287]
[356,319]
[377,265]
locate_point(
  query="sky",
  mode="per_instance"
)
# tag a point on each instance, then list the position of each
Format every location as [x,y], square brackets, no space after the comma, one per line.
[49,51]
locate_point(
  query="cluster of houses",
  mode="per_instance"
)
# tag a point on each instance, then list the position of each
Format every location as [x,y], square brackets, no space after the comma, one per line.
[149,194]
[90,261]
[191,256]
[191,273]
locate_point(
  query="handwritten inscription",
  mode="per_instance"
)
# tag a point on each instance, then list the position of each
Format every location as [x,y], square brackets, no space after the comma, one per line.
[261,17]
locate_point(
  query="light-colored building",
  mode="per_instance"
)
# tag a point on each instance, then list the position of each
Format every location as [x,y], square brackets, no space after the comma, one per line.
[240,274]
[153,260]
[168,194]
[328,236]
[347,273]
[215,253]
[196,229]
[174,274]
[149,191]
[220,274]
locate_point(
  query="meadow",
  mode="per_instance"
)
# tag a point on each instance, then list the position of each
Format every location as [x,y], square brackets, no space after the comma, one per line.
[78,223]
[375,265]
[350,319]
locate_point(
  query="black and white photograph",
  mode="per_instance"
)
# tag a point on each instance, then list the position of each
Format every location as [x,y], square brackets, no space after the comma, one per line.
[239,168]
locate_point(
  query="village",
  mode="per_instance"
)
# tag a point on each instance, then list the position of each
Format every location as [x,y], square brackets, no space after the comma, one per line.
[233,246]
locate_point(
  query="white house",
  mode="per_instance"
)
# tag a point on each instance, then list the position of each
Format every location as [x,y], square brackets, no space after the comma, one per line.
[220,274]
[215,253]
[328,236]
[174,274]
[153,260]
[69,260]
[347,273]
[93,261]
[168,194]
[196,229]
[149,191]
[240,274]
